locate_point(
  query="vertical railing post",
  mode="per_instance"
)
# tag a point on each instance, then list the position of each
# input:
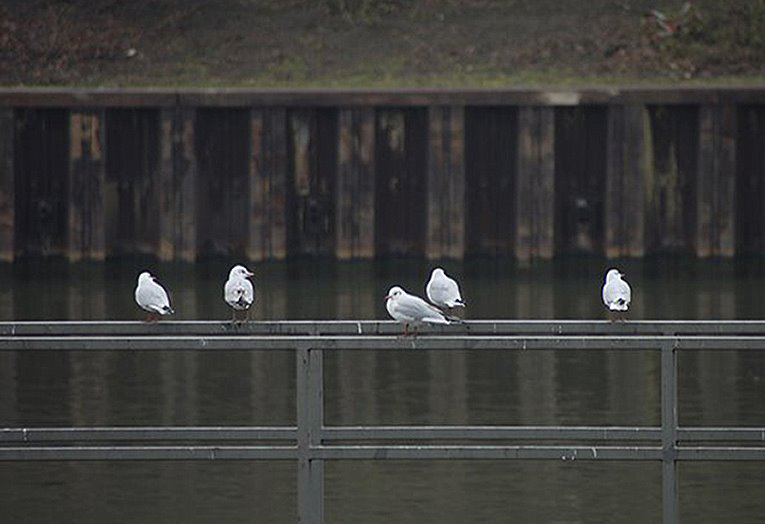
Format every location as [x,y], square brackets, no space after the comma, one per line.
[669,432]
[310,419]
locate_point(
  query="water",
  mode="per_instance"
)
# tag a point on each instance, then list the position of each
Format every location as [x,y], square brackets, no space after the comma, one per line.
[236,388]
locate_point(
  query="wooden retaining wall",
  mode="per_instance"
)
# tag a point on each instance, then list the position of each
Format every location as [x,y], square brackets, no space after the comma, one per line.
[269,174]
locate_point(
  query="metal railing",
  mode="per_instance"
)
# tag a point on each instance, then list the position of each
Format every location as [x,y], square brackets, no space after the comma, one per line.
[311,443]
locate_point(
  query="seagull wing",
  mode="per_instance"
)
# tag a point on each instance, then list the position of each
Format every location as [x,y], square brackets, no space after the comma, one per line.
[239,293]
[153,297]
[617,295]
[415,309]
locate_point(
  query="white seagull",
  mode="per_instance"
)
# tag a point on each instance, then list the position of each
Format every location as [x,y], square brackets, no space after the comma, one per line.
[238,291]
[443,291]
[152,297]
[617,293]
[410,309]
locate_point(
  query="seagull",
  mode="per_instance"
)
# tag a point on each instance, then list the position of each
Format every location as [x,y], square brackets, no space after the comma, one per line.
[443,291]
[410,309]
[151,296]
[616,292]
[238,291]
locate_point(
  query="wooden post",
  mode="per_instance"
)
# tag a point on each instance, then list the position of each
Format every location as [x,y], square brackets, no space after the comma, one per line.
[715,226]
[313,160]
[177,185]
[7,192]
[628,159]
[86,233]
[268,184]
[446,183]
[535,186]
[355,213]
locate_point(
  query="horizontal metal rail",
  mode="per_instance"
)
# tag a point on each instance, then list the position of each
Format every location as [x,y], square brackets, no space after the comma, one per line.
[377,327]
[373,342]
[52,453]
[310,442]
[366,433]
[146,433]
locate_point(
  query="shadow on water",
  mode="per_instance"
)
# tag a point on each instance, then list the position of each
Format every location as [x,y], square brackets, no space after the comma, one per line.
[238,388]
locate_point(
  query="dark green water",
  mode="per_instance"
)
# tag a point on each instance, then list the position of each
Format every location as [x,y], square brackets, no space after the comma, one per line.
[232,388]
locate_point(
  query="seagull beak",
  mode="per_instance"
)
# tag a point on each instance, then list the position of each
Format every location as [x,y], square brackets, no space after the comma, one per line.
[387,297]
[250,274]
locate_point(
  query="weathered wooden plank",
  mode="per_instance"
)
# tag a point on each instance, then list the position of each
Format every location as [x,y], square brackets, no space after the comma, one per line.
[132,161]
[177,185]
[535,184]
[627,160]
[400,167]
[86,232]
[7,189]
[313,163]
[41,166]
[268,184]
[715,226]
[750,176]
[671,181]
[223,158]
[580,179]
[355,213]
[491,162]
[446,183]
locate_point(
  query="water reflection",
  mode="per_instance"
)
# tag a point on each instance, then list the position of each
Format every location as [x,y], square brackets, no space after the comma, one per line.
[238,388]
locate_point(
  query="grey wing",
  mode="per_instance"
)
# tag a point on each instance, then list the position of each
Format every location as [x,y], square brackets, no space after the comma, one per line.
[626,291]
[618,291]
[153,297]
[418,310]
[439,292]
[239,293]
[451,291]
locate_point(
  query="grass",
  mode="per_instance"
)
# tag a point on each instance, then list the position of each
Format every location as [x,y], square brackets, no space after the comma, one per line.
[381,44]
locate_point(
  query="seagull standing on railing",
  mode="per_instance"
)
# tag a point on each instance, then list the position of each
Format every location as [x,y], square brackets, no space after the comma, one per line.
[152,297]
[238,291]
[410,309]
[443,291]
[617,294]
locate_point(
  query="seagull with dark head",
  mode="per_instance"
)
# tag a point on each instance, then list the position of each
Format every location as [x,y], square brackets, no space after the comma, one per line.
[412,310]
